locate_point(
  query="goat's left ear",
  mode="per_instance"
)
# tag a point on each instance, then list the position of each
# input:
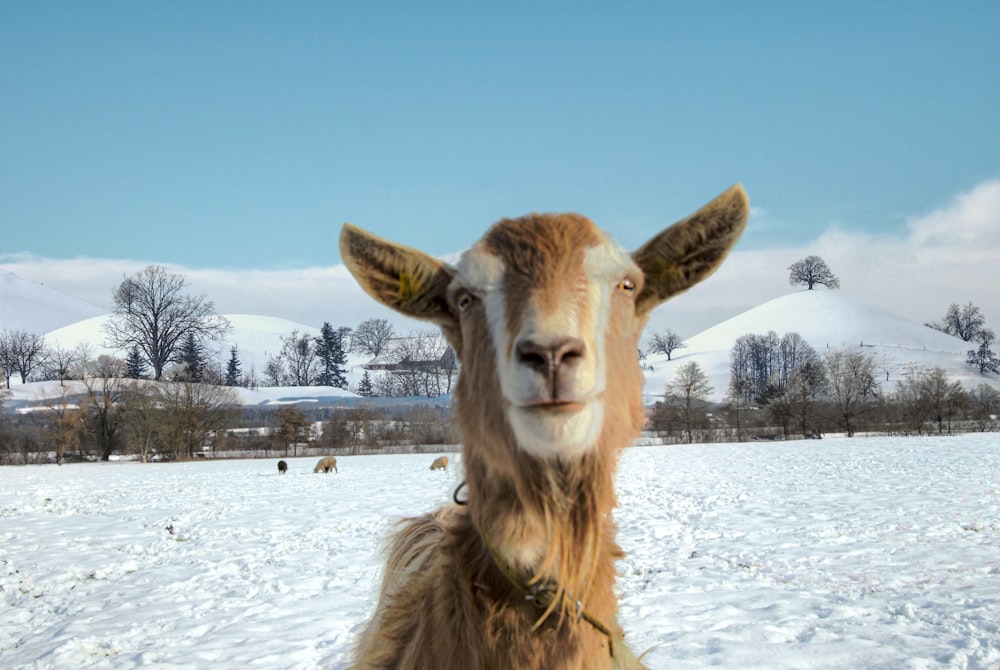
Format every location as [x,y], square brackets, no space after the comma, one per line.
[691,249]
[405,279]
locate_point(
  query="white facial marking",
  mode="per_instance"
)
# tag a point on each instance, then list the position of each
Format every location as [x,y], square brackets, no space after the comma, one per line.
[569,424]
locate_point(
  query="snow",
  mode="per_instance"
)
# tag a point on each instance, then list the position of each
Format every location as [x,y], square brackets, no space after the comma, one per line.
[835,553]
[35,308]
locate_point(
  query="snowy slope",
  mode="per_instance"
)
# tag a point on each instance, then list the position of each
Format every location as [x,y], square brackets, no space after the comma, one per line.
[873,554]
[829,321]
[37,309]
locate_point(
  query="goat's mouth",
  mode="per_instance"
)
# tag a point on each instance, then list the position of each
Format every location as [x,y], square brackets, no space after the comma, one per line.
[554,406]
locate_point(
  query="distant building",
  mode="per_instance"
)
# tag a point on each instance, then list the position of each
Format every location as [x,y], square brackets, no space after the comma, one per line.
[407,354]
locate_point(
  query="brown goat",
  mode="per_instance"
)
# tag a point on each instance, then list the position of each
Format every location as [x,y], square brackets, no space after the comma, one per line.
[326,464]
[545,314]
[440,463]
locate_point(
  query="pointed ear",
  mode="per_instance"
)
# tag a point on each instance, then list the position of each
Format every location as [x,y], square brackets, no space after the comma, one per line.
[407,280]
[692,249]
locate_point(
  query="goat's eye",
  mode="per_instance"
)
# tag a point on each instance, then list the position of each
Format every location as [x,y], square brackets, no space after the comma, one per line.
[627,285]
[464,301]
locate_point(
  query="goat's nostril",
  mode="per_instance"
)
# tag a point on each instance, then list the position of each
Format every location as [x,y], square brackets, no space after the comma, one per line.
[567,351]
[549,355]
[532,355]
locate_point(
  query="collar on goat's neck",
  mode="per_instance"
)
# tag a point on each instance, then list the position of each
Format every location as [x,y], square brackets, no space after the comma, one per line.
[548,598]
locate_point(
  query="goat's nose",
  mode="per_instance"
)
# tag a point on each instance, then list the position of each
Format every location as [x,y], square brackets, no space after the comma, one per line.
[544,357]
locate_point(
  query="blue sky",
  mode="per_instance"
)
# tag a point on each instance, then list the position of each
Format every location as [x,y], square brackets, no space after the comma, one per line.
[238,136]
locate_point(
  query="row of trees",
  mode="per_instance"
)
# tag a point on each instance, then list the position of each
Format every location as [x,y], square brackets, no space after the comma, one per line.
[807,395]
[180,420]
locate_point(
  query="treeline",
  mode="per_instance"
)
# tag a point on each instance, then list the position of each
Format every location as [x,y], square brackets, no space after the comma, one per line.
[780,387]
[108,415]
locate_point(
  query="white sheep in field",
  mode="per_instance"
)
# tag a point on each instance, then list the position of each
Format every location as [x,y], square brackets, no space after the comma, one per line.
[326,464]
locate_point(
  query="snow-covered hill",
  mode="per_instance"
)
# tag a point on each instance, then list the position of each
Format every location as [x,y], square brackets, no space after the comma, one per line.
[35,308]
[829,321]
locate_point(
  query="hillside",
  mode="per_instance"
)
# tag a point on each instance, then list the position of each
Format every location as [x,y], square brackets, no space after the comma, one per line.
[829,321]
[35,308]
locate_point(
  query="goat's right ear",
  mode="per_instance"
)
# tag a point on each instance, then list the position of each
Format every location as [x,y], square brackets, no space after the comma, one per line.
[405,279]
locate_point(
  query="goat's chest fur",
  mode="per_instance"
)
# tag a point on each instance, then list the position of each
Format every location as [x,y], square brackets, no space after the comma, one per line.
[452,607]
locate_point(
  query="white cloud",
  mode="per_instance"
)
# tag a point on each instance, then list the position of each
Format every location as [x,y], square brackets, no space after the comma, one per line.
[949,255]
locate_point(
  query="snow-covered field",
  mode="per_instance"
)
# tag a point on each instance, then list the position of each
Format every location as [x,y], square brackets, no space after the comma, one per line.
[863,553]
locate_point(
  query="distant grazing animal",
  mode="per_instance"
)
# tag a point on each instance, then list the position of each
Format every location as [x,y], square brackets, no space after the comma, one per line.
[545,314]
[326,464]
[440,463]
[282,467]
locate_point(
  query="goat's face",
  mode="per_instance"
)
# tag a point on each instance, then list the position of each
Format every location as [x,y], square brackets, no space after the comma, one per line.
[561,306]
[544,289]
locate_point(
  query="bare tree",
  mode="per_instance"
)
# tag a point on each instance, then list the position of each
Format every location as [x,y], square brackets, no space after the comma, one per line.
[21,352]
[422,364]
[929,396]
[805,387]
[103,380]
[68,425]
[194,413]
[63,363]
[152,313]
[984,404]
[292,427]
[851,385]
[666,342]
[371,336]
[687,395]
[810,271]
[274,371]
[965,323]
[299,355]
[143,418]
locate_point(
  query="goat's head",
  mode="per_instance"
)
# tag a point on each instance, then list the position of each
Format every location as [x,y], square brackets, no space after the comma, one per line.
[558,306]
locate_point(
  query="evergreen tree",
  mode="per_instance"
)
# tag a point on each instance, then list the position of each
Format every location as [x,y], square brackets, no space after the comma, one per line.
[192,359]
[233,371]
[365,387]
[332,356]
[135,364]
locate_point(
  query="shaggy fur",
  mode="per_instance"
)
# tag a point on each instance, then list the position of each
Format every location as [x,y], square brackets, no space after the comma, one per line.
[440,463]
[282,467]
[453,590]
[326,464]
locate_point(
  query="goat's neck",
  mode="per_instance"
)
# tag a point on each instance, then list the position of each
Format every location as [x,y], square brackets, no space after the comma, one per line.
[549,520]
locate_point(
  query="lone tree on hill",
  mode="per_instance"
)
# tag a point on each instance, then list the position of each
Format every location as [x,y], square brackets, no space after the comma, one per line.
[810,271]
[665,343]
